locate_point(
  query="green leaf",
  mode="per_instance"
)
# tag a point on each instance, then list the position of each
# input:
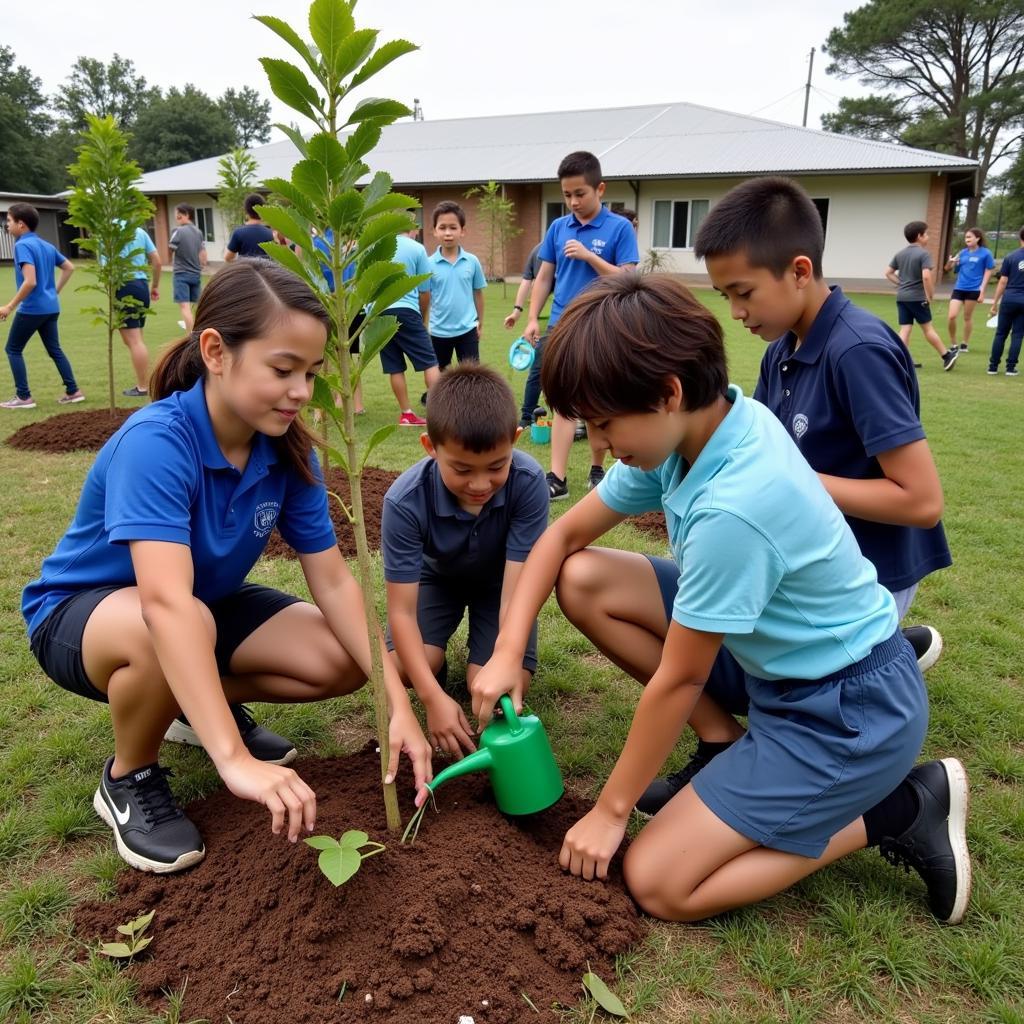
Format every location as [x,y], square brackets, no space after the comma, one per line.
[362,140]
[115,949]
[377,332]
[330,24]
[342,460]
[294,134]
[283,255]
[354,51]
[321,842]
[311,177]
[392,201]
[286,190]
[126,929]
[379,186]
[607,999]
[374,107]
[353,838]
[291,226]
[377,438]
[291,37]
[322,397]
[384,56]
[290,86]
[140,924]
[394,291]
[140,944]
[383,225]
[339,864]
[327,150]
[344,210]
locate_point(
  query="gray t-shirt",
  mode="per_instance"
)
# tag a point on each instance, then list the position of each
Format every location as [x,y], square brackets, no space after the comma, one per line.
[910,262]
[533,262]
[186,243]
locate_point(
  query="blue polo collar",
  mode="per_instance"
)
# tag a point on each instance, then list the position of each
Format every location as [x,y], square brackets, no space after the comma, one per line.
[436,257]
[814,344]
[602,216]
[729,434]
[193,402]
[446,504]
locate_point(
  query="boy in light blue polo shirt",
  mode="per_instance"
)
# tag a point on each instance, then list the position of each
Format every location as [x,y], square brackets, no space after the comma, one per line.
[767,604]
[455,531]
[456,290]
[35,261]
[141,251]
[588,243]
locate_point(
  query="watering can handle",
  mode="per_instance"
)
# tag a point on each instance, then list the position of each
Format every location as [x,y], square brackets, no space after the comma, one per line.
[509,711]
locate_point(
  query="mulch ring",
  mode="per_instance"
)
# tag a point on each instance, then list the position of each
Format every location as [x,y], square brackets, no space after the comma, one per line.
[472,920]
[375,485]
[652,523]
[88,430]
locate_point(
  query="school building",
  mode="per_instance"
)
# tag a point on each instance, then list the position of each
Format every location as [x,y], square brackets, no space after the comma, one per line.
[53,226]
[670,162]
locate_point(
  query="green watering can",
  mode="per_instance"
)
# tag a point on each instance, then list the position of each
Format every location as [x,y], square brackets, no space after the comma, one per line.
[516,752]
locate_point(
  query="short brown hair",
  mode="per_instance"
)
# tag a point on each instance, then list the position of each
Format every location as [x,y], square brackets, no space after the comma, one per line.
[26,213]
[914,230]
[617,345]
[449,206]
[473,406]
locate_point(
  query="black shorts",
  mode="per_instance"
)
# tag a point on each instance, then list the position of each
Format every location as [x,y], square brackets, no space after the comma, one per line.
[357,322]
[410,340]
[959,293]
[908,312]
[137,289]
[465,346]
[57,641]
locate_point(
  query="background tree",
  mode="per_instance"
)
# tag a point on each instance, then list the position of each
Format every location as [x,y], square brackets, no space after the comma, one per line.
[249,114]
[946,74]
[26,162]
[182,126]
[105,203]
[498,214]
[364,225]
[236,174]
[115,89]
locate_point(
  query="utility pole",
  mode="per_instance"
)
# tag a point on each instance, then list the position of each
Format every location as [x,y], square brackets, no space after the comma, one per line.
[807,90]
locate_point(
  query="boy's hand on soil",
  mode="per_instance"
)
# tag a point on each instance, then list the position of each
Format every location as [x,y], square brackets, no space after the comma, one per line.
[279,789]
[405,736]
[448,728]
[591,843]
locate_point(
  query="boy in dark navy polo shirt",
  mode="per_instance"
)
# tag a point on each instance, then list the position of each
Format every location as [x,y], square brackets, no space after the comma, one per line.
[1009,304]
[843,386]
[455,532]
[588,243]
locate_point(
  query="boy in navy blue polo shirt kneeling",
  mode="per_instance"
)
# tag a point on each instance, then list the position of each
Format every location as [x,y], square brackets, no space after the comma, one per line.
[455,532]
[843,386]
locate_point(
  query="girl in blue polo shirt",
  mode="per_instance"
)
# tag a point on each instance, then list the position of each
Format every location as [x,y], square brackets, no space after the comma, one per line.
[144,604]
[768,604]
[974,265]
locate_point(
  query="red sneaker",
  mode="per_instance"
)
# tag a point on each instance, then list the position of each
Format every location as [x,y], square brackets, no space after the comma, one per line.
[410,419]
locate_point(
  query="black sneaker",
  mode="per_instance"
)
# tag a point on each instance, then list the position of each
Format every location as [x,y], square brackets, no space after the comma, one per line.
[596,476]
[263,744]
[151,832]
[580,433]
[949,357]
[1011,373]
[557,488]
[991,371]
[660,791]
[935,844]
[917,366]
[963,347]
[135,392]
[927,644]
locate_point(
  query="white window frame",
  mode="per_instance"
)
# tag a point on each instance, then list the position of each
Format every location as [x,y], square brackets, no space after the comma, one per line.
[673,204]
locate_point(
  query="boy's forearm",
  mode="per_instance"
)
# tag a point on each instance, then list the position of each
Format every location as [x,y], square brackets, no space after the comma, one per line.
[605,269]
[66,270]
[21,294]
[883,501]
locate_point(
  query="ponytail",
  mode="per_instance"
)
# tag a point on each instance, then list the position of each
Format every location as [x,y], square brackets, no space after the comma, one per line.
[180,366]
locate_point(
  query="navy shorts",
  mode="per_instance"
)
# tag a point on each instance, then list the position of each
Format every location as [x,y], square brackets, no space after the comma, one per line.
[57,641]
[817,753]
[186,287]
[959,293]
[441,604]
[138,289]
[911,312]
[465,346]
[410,340]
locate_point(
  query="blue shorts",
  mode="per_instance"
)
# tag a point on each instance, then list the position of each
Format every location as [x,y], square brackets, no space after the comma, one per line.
[57,640]
[410,340]
[137,289]
[186,287]
[817,754]
[441,603]
[909,312]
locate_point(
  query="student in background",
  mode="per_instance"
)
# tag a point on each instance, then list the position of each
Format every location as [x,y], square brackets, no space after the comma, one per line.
[247,240]
[1008,303]
[141,250]
[188,248]
[974,265]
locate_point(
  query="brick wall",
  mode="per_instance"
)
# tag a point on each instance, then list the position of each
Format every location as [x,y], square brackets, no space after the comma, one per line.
[937,216]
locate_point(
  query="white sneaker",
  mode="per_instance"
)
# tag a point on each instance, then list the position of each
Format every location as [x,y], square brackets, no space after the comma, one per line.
[181,324]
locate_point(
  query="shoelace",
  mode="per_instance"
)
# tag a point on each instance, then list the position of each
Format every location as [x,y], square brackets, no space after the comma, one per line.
[900,853]
[155,797]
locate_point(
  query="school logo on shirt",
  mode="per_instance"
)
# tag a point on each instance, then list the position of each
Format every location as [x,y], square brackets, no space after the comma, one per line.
[799,425]
[597,245]
[265,517]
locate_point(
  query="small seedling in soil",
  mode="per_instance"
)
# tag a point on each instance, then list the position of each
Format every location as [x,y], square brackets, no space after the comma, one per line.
[341,991]
[412,830]
[134,940]
[529,1002]
[341,858]
[603,995]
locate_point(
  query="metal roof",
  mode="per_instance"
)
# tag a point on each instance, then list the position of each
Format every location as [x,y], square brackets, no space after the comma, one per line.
[665,140]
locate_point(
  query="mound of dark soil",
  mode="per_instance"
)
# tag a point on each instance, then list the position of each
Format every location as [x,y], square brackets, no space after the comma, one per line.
[88,430]
[467,921]
[652,523]
[375,485]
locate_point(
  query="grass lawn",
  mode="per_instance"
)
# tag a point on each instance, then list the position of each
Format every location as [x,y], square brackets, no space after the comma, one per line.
[853,943]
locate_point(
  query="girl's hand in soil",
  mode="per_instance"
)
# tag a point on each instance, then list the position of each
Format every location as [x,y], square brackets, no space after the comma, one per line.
[448,728]
[591,843]
[405,736]
[279,789]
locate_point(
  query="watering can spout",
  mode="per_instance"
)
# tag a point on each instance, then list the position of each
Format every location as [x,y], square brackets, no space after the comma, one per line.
[480,760]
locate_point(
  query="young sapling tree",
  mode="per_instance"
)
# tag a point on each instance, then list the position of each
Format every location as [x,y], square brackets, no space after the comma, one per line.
[497,212]
[134,940]
[105,203]
[236,174]
[359,218]
[341,858]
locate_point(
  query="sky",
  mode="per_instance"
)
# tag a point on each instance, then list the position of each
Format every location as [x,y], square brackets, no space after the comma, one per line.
[476,57]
